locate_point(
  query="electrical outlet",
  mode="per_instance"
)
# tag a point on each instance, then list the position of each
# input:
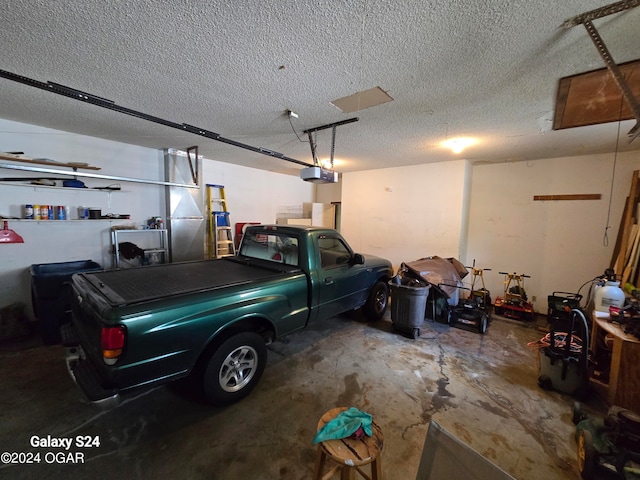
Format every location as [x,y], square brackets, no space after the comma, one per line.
[534,298]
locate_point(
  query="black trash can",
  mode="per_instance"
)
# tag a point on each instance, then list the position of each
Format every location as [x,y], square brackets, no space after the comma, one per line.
[51,294]
[408,305]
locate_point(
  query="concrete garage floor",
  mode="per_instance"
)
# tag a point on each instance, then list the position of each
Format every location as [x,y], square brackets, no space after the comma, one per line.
[483,389]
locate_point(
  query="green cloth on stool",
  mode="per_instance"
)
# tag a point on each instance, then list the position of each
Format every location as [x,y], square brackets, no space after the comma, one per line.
[344,425]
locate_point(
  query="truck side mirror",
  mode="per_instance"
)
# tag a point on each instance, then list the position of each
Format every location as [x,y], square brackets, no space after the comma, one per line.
[358,259]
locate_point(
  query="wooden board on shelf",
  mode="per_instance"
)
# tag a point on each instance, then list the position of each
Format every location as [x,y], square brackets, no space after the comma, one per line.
[51,163]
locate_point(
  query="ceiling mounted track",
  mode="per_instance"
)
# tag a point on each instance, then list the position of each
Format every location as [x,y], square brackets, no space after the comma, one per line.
[585,19]
[111,105]
[332,126]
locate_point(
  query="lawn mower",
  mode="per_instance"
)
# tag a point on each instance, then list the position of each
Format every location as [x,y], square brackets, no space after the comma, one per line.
[481,296]
[467,313]
[514,304]
[609,445]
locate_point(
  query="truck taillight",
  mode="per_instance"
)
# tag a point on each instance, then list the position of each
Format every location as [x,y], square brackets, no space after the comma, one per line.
[112,343]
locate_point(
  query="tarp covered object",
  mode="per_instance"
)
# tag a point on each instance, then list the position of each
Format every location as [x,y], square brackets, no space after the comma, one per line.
[438,271]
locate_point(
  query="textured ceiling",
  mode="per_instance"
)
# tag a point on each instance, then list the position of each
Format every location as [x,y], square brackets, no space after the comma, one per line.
[486,69]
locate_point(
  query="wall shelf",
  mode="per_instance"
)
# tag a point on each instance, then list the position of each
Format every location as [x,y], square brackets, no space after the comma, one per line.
[89,220]
[53,171]
[47,161]
[50,189]
[55,187]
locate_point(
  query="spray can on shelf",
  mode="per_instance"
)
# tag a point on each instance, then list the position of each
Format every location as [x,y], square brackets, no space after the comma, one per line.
[28,211]
[61,212]
[36,212]
[44,212]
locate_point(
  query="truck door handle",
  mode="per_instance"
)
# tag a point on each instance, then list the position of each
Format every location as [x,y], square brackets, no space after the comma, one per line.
[328,280]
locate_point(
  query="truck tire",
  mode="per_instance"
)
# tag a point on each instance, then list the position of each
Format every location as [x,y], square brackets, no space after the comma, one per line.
[377,301]
[234,368]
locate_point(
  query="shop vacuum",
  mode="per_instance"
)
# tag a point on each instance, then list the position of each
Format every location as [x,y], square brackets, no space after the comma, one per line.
[564,357]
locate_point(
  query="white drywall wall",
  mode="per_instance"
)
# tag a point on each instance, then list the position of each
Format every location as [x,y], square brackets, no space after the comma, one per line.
[560,244]
[406,213]
[257,195]
[487,213]
[329,192]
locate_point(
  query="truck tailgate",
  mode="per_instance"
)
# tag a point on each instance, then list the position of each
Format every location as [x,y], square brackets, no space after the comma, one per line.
[141,284]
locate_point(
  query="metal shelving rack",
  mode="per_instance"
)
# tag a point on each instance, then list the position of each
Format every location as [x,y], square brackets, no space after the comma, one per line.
[160,251]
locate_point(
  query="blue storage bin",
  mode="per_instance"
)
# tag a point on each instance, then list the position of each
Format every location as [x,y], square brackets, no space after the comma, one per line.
[51,294]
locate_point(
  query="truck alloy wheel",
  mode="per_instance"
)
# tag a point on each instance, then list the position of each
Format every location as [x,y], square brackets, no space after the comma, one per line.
[235,368]
[377,301]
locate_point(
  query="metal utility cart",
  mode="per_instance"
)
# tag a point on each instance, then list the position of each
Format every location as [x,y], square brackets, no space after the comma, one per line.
[154,252]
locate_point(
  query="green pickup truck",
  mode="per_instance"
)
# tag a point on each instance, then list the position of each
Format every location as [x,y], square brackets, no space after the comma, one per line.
[212,319]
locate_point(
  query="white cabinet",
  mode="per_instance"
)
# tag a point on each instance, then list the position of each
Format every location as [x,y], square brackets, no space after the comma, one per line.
[321,214]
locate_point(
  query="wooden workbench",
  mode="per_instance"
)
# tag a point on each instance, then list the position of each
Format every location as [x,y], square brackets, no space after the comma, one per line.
[623,388]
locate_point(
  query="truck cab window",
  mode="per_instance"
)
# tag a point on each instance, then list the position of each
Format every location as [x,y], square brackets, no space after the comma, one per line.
[333,252]
[275,248]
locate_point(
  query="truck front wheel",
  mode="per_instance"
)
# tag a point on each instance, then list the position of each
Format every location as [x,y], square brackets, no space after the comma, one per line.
[377,302]
[234,368]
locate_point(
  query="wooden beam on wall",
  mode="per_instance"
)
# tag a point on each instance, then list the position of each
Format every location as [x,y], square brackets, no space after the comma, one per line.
[579,196]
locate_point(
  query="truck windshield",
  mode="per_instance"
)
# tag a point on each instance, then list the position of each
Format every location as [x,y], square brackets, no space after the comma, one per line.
[274,247]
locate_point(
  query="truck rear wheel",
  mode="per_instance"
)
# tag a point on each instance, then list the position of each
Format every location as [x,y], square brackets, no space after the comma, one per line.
[234,368]
[377,301]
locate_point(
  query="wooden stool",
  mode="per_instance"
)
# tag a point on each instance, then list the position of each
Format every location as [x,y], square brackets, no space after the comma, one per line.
[348,453]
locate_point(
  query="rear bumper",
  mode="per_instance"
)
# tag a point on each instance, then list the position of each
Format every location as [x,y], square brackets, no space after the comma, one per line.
[84,373]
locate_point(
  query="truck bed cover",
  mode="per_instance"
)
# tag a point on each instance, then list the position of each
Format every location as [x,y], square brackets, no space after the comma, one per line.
[133,285]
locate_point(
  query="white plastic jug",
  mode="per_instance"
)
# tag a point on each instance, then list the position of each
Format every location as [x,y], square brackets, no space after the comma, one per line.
[609,295]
